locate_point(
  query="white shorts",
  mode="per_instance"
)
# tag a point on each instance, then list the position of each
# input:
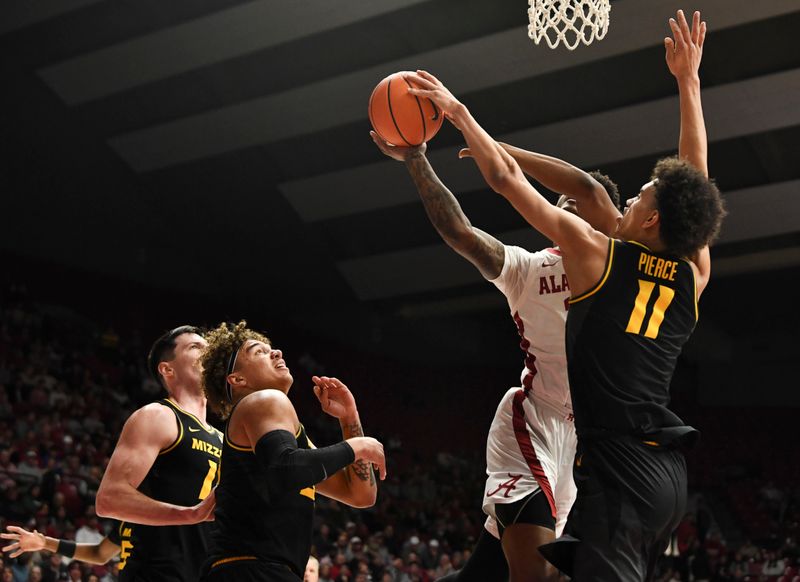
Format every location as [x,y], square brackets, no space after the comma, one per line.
[531,446]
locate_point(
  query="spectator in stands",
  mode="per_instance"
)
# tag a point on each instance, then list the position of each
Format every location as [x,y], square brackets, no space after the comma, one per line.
[773,565]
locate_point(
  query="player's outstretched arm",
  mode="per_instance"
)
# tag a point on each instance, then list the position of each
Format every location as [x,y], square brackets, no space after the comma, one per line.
[149,431]
[504,176]
[23,541]
[561,177]
[684,52]
[445,213]
[354,485]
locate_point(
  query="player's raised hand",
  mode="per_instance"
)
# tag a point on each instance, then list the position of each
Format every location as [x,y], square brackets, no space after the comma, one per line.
[684,50]
[370,450]
[335,398]
[22,541]
[399,153]
[429,86]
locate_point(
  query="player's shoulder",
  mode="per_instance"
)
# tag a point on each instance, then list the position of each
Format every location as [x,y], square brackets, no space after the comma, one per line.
[152,422]
[265,400]
[517,256]
[153,412]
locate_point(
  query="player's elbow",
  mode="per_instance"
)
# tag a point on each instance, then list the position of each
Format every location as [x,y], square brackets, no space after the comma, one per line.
[101,505]
[364,500]
[104,502]
[460,239]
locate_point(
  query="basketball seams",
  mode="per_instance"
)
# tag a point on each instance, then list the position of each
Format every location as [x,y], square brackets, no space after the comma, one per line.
[421,112]
[391,112]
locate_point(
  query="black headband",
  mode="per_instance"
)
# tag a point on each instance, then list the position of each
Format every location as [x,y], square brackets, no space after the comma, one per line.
[231,366]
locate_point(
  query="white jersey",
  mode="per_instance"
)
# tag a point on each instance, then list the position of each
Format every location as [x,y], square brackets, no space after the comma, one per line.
[537,291]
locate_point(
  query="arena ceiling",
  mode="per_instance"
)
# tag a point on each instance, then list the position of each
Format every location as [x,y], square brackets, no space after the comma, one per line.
[223,145]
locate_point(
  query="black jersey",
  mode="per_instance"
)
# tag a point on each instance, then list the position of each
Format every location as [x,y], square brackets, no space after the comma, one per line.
[623,340]
[184,473]
[249,524]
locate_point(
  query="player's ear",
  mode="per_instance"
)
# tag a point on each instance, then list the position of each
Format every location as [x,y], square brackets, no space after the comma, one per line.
[166,370]
[236,379]
[653,219]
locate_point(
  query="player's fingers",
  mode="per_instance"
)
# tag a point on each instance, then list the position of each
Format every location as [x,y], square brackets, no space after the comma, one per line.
[687,34]
[669,45]
[465,153]
[16,529]
[676,32]
[16,554]
[7,536]
[336,383]
[695,27]
[10,547]
[702,38]
[426,75]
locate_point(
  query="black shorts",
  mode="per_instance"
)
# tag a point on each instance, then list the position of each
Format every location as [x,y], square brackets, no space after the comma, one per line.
[533,509]
[631,497]
[246,569]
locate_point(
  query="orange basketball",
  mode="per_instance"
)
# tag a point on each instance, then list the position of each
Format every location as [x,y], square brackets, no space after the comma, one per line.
[400,118]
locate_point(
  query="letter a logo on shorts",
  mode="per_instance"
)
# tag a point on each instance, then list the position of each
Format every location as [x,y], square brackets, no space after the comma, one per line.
[507,486]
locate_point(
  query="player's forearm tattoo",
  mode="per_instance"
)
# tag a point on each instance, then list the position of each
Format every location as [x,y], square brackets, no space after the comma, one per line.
[361,469]
[442,207]
[451,223]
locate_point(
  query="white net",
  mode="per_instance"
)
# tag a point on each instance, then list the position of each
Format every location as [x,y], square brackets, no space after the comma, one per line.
[569,22]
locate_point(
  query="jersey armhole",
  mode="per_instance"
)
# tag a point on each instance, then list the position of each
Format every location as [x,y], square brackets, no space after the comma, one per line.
[603,279]
[177,441]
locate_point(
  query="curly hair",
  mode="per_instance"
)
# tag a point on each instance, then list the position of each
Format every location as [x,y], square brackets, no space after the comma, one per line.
[689,204]
[223,342]
[609,184]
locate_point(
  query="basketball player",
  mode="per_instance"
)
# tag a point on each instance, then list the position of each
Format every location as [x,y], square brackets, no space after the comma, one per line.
[265,500]
[633,305]
[160,477]
[531,443]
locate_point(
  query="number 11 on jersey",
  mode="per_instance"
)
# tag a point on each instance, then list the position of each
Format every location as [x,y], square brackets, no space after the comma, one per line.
[665,295]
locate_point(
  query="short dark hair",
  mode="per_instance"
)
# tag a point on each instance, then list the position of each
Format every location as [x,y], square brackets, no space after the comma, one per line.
[689,204]
[609,184]
[163,349]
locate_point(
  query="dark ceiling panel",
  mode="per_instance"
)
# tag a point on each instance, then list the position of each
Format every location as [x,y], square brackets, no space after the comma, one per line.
[102,24]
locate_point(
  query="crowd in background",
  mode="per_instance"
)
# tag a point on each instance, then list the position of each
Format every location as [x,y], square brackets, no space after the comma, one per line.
[67,384]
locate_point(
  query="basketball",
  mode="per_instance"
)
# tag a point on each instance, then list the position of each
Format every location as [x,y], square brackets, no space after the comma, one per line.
[400,118]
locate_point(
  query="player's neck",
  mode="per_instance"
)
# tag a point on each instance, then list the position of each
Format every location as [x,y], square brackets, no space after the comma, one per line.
[191,401]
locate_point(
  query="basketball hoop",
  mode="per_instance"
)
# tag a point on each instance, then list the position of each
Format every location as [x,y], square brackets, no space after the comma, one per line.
[568,22]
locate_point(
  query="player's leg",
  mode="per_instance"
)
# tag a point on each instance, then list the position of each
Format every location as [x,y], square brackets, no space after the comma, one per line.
[525,525]
[629,497]
[487,563]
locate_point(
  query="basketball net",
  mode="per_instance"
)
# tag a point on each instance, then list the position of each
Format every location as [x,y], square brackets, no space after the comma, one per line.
[568,22]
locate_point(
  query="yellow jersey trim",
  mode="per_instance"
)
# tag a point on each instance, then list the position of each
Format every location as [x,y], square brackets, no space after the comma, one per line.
[232,559]
[234,446]
[638,244]
[602,281]
[209,429]
[177,440]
